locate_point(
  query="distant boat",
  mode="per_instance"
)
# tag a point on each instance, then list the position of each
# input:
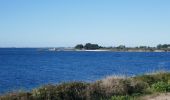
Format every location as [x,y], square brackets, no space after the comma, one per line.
[52,49]
[61,49]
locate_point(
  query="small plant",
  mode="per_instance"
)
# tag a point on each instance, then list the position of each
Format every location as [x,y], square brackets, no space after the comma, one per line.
[153,78]
[137,87]
[95,91]
[17,96]
[45,92]
[161,87]
[64,91]
[122,98]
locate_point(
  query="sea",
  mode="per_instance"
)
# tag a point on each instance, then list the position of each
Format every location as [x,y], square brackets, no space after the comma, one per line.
[28,68]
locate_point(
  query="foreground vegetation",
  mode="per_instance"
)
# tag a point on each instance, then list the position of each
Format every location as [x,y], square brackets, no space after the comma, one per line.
[110,88]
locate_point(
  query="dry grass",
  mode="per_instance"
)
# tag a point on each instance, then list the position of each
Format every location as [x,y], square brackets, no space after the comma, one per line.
[115,85]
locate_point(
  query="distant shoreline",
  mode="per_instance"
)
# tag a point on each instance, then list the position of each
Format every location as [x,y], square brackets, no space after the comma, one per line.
[53,49]
[106,50]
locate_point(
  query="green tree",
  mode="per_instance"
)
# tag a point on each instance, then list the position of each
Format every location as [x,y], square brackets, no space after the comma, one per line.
[90,46]
[159,46]
[79,46]
[143,47]
[164,46]
[121,47]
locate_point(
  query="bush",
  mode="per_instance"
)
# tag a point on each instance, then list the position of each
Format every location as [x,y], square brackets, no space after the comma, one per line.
[17,96]
[122,98]
[107,88]
[161,87]
[95,91]
[45,93]
[115,86]
[137,87]
[65,91]
[154,78]
[71,91]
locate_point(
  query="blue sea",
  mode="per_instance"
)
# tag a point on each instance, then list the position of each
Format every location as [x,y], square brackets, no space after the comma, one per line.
[29,68]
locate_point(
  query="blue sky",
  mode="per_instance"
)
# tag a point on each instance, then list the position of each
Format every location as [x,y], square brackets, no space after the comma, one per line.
[46,23]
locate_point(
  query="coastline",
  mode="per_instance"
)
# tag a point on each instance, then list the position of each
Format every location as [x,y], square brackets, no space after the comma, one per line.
[107,50]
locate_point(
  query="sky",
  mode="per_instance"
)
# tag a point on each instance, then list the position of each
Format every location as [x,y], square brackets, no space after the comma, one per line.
[65,23]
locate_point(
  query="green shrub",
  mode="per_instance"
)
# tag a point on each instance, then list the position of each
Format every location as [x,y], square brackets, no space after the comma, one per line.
[161,87]
[65,91]
[71,91]
[44,93]
[137,87]
[154,78]
[122,98]
[95,91]
[115,86]
[17,96]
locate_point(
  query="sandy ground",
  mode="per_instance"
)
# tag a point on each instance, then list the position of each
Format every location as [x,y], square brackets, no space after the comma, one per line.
[162,96]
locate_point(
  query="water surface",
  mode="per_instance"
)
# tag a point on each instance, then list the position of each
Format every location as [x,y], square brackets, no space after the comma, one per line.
[29,68]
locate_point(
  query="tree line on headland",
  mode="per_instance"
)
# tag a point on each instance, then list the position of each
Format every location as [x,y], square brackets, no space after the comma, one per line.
[90,46]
